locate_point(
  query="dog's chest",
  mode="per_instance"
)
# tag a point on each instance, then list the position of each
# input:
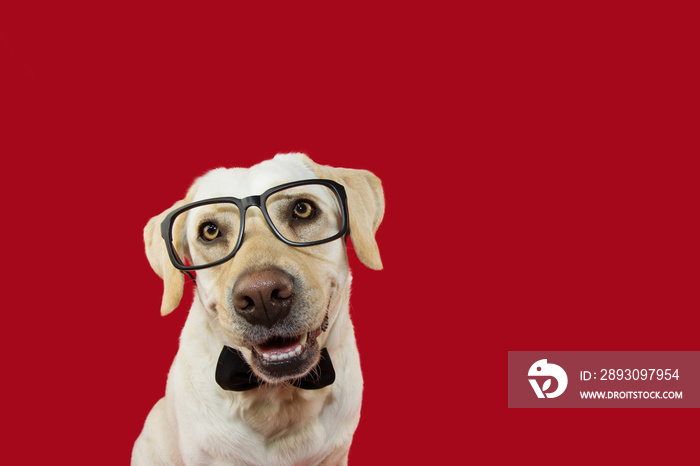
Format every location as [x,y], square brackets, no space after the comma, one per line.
[273,413]
[273,430]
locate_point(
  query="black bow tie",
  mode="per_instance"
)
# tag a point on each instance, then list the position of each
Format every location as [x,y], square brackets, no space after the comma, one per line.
[233,373]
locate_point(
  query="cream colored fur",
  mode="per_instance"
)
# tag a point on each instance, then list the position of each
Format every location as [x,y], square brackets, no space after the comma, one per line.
[199,423]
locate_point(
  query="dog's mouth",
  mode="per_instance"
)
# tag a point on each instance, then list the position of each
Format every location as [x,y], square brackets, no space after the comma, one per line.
[281,348]
[280,359]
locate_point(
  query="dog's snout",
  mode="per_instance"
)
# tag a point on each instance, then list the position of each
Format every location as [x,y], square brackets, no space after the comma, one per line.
[264,297]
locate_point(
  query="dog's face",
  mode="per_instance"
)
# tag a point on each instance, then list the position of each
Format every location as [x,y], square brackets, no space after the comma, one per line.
[271,301]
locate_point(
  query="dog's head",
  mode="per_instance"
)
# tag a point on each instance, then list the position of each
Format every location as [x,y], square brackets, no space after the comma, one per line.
[273,299]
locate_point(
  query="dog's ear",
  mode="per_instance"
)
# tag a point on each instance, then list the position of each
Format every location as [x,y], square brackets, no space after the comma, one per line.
[173,279]
[366,206]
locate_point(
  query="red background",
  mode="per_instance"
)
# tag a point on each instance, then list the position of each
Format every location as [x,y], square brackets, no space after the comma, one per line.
[540,169]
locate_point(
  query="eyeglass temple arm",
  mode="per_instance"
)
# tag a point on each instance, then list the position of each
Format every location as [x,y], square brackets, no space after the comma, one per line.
[192,277]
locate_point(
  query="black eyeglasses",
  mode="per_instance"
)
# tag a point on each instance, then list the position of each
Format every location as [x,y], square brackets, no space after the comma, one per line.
[301,213]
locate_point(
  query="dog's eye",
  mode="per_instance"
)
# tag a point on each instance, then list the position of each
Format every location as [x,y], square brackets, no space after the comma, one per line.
[304,210]
[209,231]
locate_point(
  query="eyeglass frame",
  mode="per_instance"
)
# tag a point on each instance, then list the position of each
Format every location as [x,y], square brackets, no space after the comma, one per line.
[166,226]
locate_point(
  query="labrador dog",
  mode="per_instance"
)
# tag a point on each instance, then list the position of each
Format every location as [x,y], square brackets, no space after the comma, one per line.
[267,371]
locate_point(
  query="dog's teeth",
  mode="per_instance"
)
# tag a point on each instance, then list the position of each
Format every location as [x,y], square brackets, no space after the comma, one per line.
[302,340]
[266,356]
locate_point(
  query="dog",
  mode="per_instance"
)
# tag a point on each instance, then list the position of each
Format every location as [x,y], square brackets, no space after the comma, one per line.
[268,370]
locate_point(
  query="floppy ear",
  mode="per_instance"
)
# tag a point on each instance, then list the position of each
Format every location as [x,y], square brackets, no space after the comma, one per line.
[365,205]
[173,279]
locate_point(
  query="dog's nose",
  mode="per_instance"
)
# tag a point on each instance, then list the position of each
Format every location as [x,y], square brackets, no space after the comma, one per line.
[264,297]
